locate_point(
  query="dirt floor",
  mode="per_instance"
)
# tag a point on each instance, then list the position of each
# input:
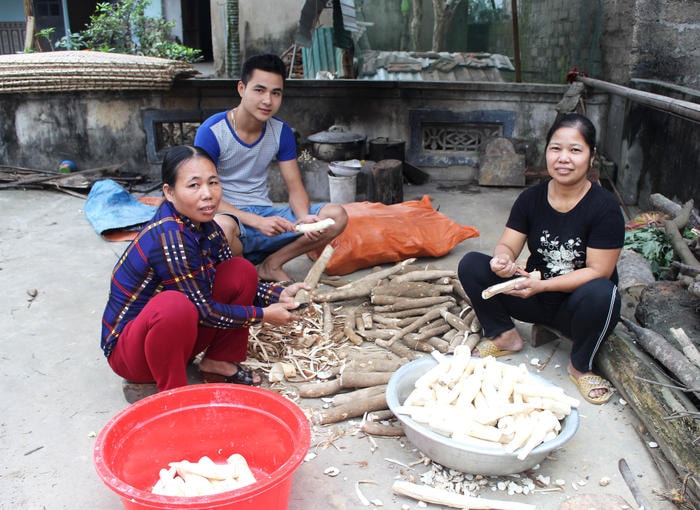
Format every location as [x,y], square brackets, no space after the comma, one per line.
[58,391]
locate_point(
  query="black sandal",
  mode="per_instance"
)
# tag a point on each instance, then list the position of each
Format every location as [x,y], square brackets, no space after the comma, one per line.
[242,376]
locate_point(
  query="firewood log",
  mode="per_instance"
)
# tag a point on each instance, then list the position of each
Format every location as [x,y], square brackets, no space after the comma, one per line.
[634,272]
[660,348]
[687,345]
[677,241]
[667,413]
[660,203]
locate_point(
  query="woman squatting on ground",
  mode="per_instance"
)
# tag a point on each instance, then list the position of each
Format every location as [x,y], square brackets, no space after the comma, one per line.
[177,291]
[574,232]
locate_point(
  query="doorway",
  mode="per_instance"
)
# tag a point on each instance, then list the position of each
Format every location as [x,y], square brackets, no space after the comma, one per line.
[196,27]
[79,12]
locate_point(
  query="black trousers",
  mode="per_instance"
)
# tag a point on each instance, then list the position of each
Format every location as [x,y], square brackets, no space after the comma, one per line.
[587,315]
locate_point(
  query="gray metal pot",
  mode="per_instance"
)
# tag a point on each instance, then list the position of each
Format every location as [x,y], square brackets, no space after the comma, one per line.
[338,143]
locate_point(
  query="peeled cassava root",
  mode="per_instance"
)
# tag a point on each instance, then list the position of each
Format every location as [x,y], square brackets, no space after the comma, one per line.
[481,400]
[204,477]
[314,227]
[509,285]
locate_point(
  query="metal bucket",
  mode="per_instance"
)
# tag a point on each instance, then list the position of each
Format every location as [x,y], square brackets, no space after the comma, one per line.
[387,148]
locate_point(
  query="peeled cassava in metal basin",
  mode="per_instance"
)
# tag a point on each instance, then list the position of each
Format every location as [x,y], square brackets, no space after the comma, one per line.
[461,455]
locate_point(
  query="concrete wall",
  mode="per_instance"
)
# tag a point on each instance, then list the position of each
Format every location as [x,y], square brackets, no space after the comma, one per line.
[93,129]
[264,26]
[653,152]
[98,129]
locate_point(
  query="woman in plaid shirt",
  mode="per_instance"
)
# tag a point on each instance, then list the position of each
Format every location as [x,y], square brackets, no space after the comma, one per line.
[178,291]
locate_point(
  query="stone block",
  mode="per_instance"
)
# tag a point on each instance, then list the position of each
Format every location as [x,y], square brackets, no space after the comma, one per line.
[500,165]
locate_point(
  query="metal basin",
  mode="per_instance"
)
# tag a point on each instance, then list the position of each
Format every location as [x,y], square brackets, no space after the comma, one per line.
[345,168]
[462,456]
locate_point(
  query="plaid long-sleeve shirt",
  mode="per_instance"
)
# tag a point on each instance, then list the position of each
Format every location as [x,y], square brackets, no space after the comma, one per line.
[171,253]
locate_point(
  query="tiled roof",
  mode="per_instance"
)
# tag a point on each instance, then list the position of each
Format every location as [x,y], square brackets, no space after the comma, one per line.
[433,66]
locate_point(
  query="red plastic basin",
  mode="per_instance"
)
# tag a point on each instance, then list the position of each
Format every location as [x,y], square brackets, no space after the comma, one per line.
[216,420]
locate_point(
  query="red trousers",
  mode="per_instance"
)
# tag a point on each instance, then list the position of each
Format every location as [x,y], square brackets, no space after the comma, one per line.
[160,342]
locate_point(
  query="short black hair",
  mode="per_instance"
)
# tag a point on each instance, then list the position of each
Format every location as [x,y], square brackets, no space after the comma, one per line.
[265,62]
[174,157]
[577,121]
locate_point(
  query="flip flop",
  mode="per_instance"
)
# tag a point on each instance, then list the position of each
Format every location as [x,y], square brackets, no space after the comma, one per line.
[488,348]
[242,376]
[588,382]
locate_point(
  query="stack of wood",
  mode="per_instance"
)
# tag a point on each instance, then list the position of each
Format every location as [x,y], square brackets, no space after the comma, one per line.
[681,217]
[76,182]
[294,61]
[653,358]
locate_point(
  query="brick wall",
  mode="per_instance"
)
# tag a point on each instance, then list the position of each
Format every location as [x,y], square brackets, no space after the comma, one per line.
[612,40]
[556,35]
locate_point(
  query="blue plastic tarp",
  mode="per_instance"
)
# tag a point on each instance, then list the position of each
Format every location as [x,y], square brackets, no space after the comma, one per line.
[110,207]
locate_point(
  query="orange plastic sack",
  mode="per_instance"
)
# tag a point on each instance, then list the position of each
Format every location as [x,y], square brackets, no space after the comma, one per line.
[377,233]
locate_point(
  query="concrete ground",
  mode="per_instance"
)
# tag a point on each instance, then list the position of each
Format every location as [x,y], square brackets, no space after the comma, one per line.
[58,391]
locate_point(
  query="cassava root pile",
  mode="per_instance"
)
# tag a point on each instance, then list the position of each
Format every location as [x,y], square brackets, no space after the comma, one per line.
[395,314]
[484,401]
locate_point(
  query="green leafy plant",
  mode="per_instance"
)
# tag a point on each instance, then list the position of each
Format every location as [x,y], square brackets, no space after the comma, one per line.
[653,244]
[484,11]
[123,27]
[72,41]
[46,34]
